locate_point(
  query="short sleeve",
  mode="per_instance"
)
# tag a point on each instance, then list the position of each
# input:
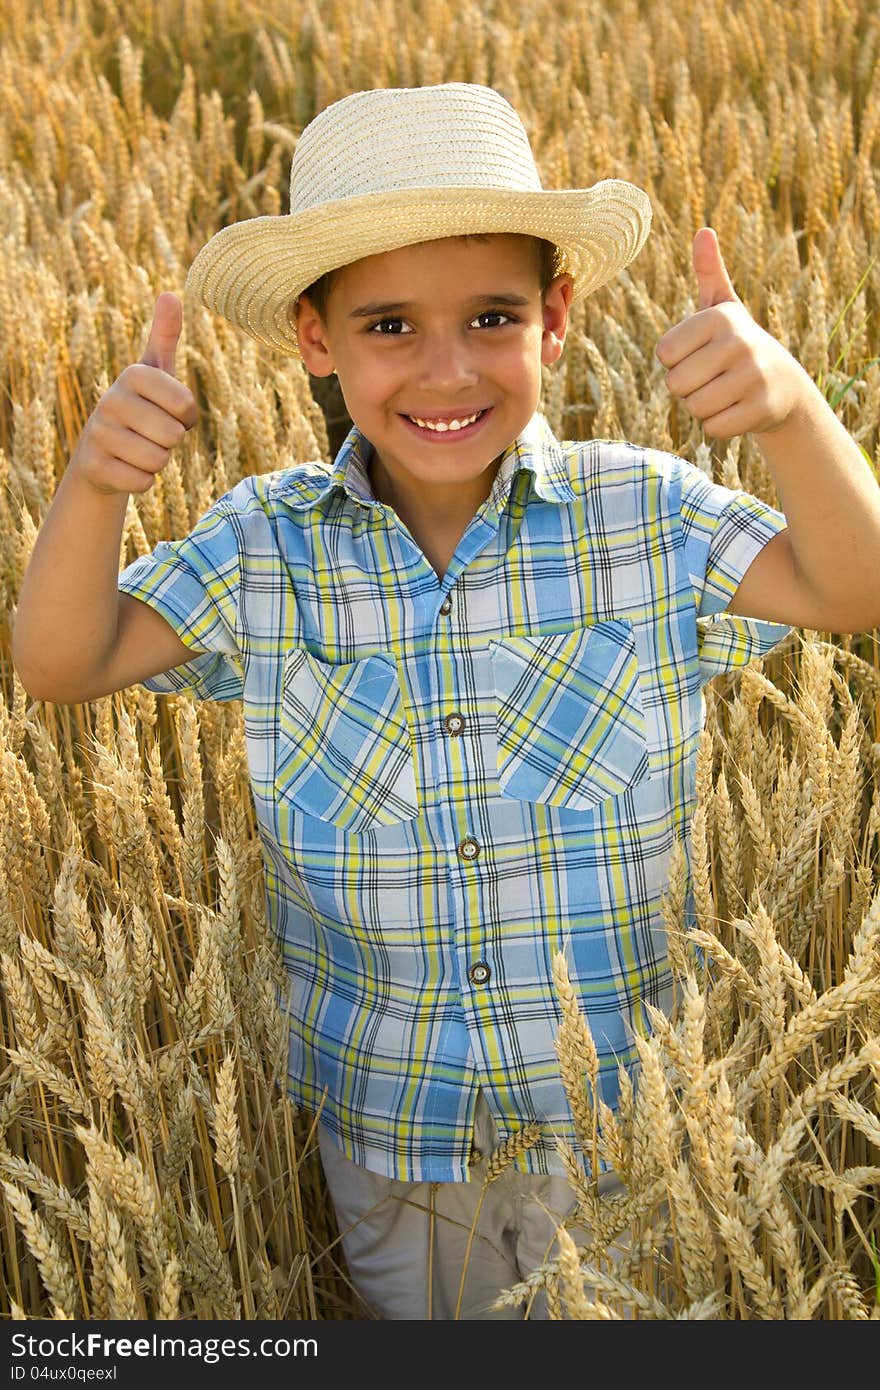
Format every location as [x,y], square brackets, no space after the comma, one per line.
[722,532]
[194,584]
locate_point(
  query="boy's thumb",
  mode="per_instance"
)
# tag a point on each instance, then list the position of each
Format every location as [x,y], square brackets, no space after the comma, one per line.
[713,280]
[164,333]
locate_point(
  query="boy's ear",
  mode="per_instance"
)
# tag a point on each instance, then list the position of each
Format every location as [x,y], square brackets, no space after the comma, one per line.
[311,334]
[555,315]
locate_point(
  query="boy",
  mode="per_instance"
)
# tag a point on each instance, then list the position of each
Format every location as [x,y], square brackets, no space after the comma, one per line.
[469,655]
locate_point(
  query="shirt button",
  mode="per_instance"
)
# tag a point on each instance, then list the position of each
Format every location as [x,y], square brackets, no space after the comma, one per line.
[468,849]
[454,723]
[446,605]
[479,973]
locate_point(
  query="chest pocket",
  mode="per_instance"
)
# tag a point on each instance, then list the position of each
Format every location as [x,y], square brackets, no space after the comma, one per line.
[570,724]
[344,749]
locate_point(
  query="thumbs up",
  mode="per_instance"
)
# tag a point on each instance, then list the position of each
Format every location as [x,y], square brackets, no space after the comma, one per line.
[732,376]
[145,414]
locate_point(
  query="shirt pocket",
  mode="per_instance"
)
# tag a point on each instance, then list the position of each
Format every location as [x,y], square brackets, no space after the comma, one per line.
[569,718]
[344,747]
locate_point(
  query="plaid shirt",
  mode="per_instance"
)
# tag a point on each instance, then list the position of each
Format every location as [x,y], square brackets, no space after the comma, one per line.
[455,778]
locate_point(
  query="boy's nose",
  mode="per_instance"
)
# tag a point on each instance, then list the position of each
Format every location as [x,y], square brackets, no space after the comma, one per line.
[447,366]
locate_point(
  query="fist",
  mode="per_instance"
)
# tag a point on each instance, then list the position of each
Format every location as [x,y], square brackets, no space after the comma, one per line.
[145,414]
[730,373]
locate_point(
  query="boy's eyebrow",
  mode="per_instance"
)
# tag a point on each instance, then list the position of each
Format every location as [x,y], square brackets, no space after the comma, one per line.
[367,310]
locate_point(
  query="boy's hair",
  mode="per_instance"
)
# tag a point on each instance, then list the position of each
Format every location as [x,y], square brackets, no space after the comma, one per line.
[548,262]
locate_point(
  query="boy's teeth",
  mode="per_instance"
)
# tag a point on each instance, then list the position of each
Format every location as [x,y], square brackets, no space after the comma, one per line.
[443,425]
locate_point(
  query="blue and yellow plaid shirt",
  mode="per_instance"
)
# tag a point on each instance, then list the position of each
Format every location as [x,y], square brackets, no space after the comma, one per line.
[456,778]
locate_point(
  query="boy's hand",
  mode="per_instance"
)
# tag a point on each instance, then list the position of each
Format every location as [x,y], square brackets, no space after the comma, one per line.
[129,436]
[731,374]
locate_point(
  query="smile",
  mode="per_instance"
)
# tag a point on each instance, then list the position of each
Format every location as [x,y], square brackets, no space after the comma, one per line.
[464,425]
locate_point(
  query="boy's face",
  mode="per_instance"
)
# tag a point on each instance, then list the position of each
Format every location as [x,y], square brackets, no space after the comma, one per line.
[444,345]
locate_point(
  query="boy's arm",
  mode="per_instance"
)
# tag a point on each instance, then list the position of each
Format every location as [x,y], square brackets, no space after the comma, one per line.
[74,637]
[823,571]
[826,566]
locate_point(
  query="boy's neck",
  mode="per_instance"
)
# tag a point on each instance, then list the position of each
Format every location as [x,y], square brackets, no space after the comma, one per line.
[437,515]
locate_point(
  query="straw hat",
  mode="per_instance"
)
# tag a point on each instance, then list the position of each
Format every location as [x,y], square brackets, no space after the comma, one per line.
[389,167]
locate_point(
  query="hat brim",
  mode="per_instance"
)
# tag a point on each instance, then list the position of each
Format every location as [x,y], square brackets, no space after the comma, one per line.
[251,271]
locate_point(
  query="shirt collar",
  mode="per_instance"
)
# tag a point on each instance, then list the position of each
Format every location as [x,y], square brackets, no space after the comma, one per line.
[536,449]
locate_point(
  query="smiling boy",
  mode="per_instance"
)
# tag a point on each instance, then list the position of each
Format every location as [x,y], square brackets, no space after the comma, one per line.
[401,360]
[470,658]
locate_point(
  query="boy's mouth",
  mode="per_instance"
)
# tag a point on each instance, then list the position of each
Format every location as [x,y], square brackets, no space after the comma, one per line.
[455,427]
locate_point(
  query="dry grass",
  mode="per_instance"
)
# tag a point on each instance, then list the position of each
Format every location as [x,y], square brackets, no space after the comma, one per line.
[151,1163]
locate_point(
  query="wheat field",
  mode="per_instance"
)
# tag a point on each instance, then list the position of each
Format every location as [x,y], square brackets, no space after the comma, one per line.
[151,1163]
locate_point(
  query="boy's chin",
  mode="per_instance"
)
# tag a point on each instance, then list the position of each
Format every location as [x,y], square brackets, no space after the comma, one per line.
[457,469]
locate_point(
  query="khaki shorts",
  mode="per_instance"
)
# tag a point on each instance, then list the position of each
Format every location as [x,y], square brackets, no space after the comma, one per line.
[406,1244]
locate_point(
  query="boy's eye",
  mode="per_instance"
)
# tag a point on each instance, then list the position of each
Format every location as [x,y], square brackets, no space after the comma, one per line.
[395,325]
[381,324]
[494,314]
